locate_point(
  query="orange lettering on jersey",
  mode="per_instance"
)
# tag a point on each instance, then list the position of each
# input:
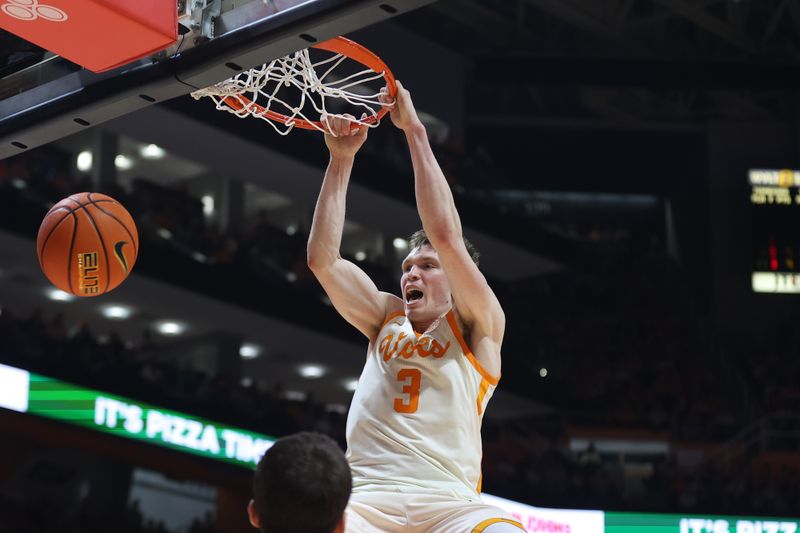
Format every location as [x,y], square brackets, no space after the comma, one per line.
[383,347]
[424,347]
[399,340]
[407,350]
[437,350]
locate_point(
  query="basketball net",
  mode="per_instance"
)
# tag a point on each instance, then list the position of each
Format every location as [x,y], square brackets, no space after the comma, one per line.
[254,93]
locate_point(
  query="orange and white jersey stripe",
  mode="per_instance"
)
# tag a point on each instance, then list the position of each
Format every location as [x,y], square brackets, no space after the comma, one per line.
[415,420]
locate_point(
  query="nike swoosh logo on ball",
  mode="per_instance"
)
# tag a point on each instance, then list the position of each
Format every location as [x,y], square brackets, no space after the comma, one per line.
[120,254]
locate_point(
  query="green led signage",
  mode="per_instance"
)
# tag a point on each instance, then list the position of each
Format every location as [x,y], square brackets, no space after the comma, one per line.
[123,417]
[662,523]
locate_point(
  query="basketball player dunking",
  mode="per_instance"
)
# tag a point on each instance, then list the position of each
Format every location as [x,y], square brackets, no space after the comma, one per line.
[413,431]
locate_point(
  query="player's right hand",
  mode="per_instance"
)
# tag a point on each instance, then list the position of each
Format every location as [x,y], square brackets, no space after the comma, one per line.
[343,136]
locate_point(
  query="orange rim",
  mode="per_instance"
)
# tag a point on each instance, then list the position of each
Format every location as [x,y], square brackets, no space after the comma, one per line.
[337,45]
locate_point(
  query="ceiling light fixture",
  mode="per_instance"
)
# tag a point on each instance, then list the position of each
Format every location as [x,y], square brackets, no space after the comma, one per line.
[59,296]
[208,205]
[170,328]
[312,371]
[152,151]
[249,351]
[116,312]
[84,161]
[123,162]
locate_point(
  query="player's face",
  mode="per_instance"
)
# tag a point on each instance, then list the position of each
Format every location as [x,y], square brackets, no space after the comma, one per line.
[424,287]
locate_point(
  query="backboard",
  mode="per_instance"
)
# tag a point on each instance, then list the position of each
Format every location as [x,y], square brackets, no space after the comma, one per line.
[48,98]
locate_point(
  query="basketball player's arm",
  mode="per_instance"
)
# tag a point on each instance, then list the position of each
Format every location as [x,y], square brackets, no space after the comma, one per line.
[354,295]
[474,300]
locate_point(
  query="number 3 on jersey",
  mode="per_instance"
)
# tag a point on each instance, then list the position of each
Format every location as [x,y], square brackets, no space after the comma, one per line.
[411,379]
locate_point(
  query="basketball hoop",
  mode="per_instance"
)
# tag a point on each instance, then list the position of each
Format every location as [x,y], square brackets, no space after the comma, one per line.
[255,93]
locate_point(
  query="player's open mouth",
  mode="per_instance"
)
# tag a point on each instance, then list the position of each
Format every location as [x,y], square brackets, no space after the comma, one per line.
[413,295]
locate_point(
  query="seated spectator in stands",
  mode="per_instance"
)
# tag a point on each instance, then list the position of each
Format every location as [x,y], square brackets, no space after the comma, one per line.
[302,484]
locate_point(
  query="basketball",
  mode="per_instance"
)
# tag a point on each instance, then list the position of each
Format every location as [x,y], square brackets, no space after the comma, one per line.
[87,244]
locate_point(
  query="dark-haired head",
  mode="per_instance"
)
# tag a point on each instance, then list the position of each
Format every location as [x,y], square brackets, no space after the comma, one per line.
[302,484]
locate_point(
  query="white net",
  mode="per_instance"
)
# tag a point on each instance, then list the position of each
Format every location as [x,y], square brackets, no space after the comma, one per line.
[260,92]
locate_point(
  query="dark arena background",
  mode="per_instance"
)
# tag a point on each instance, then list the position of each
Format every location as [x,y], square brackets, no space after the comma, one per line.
[628,168]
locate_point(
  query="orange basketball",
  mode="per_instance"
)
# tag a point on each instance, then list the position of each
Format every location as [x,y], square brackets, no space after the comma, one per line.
[87,244]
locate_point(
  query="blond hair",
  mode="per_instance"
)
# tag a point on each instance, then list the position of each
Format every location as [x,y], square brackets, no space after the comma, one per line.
[419,238]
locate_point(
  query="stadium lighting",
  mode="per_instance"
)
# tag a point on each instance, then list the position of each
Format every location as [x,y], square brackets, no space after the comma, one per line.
[543,372]
[84,161]
[360,255]
[59,296]
[170,328]
[152,151]
[400,243]
[208,204]
[123,162]
[249,351]
[350,384]
[116,312]
[312,371]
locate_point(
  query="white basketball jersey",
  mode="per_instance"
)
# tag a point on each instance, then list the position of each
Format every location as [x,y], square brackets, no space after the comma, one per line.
[415,420]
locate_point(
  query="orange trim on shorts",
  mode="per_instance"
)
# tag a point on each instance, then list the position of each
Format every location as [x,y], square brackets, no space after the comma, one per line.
[486,523]
[482,394]
[480,484]
[391,317]
[451,319]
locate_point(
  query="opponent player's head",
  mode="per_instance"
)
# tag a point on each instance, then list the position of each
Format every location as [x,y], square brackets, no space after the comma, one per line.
[302,484]
[424,286]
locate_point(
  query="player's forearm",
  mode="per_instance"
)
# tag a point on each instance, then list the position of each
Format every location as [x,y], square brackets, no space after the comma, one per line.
[435,203]
[328,223]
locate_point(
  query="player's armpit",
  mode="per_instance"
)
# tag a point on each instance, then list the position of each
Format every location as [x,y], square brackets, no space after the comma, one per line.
[356,297]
